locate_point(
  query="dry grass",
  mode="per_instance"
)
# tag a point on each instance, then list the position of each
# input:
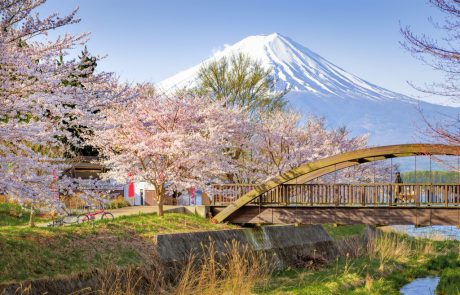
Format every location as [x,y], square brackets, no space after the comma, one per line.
[354,246]
[425,248]
[237,271]
[129,281]
[383,246]
[389,247]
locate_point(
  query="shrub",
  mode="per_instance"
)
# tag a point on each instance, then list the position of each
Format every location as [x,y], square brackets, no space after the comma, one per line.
[450,282]
[443,262]
[118,202]
[11,209]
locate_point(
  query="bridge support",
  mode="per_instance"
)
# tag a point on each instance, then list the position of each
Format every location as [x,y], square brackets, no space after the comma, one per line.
[345,215]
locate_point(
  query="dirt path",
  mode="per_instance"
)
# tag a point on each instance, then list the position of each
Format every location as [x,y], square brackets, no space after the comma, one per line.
[134,210]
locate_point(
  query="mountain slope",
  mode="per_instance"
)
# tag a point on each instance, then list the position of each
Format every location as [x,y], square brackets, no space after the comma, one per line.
[321,88]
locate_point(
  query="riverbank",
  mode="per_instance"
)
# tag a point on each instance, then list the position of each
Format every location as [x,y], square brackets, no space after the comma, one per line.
[382,264]
[202,262]
[43,252]
[117,258]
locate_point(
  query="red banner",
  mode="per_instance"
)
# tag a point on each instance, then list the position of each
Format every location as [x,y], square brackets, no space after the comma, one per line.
[131,190]
[130,186]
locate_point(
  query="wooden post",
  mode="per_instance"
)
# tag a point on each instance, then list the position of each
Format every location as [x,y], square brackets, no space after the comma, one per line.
[338,193]
[446,196]
[390,194]
[428,196]
[310,195]
[350,192]
[417,195]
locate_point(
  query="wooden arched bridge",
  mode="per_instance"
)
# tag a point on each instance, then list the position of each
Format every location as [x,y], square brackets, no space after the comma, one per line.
[290,198]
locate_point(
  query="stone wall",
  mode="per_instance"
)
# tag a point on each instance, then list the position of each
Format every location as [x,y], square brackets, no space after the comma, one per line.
[289,244]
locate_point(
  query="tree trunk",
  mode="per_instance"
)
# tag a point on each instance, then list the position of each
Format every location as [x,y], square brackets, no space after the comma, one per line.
[32,217]
[160,207]
[161,196]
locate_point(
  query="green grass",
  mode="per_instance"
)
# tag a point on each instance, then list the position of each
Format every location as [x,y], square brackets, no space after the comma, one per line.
[31,253]
[344,276]
[338,232]
[450,282]
[21,218]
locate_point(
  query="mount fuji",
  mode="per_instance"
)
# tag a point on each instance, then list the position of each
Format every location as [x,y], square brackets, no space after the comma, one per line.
[320,88]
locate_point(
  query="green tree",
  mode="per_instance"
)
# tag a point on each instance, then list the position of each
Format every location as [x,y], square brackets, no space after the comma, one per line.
[431,177]
[241,81]
[85,68]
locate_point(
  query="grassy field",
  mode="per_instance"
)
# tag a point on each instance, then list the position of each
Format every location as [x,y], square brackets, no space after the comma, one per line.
[30,253]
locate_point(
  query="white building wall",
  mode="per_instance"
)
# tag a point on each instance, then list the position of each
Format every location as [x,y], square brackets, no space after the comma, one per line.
[138,186]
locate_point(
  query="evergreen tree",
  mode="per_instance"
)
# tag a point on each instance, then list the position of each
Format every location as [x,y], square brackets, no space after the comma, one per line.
[75,144]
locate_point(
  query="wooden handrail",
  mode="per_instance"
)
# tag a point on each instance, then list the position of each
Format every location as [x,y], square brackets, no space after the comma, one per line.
[345,194]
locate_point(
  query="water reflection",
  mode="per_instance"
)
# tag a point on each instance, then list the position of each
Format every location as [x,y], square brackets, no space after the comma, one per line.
[431,232]
[423,286]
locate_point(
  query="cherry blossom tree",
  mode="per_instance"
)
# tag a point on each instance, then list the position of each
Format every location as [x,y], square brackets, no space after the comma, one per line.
[442,55]
[283,142]
[169,141]
[280,142]
[34,100]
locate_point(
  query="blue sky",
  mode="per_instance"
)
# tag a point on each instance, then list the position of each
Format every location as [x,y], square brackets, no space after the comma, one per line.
[152,40]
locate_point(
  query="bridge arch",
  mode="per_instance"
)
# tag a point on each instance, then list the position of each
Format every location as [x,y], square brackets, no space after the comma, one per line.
[312,170]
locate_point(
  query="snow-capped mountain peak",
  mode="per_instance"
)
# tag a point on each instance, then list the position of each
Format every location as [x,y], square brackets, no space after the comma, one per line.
[293,66]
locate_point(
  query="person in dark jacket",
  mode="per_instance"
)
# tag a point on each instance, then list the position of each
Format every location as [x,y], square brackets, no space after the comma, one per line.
[398,187]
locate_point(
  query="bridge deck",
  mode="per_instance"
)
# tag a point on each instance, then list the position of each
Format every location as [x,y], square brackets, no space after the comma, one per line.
[344,215]
[376,203]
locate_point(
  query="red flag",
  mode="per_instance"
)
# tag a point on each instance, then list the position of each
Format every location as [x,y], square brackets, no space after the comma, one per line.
[130,186]
[131,189]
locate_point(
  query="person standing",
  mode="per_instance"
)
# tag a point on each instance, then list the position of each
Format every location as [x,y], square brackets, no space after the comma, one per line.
[398,186]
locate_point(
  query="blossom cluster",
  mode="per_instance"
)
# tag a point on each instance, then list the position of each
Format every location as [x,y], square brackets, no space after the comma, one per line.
[36,106]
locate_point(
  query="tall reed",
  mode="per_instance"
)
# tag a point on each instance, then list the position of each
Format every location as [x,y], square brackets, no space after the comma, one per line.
[236,271]
[389,247]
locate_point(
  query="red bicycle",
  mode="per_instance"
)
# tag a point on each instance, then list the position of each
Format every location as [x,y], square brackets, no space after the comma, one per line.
[105,215]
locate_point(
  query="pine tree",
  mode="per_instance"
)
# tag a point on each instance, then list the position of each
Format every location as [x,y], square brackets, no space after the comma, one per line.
[86,67]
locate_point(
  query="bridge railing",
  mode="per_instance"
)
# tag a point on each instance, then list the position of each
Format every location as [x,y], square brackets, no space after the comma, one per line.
[224,194]
[373,194]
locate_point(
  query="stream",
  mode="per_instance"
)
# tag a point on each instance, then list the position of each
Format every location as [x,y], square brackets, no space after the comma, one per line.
[426,286]
[431,232]
[422,286]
